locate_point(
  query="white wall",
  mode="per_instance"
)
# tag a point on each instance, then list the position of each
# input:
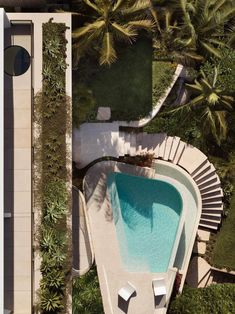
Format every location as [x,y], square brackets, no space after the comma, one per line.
[4,23]
[1,156]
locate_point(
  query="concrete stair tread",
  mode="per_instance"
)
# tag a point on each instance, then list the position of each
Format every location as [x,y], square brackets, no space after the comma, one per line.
[191,159]
[209,222]
[210,187]
[215,192]
[216,218]
[211,181]
[208,174]
[211,199]
[205,225]
[203,169]
[162,144]
[168,147]
[179,152]
[175,145]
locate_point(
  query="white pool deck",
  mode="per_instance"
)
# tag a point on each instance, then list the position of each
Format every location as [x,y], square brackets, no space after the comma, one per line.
[112,275]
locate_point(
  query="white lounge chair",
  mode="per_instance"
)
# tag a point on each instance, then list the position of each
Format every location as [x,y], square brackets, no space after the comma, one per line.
[159,287]
[127,291]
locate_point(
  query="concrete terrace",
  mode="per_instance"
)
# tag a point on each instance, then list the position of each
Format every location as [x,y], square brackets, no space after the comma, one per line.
[112,276]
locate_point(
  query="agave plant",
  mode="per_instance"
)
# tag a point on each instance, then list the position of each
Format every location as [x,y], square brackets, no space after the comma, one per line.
[108,22]
[212,103]
[51,301]
[206,23]
[54,279]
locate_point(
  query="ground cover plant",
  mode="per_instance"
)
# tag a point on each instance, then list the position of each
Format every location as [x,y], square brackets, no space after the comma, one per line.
[52,116]
[86,294]
[215,299]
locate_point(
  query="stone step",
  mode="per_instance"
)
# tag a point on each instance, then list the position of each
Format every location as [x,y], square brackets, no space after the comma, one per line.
[168,147]
[215,210]
[208,174]
[179,152]
[203,225]
[212,216]
[210,187]
[175,145]
[212,199]
[211,181]
[192,159]
[139,138]
[162,146]
[158,139]
[202,170]
[212,205]
[209,221]
[215,192]
[150,143]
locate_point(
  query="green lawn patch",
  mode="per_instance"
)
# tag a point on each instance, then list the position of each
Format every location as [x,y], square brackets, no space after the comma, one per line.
[224,249]
[131,86]
[215,299]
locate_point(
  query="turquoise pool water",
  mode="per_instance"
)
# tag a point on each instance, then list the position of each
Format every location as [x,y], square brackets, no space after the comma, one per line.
[146,215]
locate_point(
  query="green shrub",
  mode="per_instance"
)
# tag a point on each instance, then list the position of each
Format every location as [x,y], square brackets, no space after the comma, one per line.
[86,294]
[226,68]
[215,299]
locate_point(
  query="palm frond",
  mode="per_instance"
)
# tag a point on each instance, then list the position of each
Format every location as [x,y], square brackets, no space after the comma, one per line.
[124,31]
[118,5]
[211,49]
[142,24]
[139,6]
[87,29]
[108,53]
[93,6]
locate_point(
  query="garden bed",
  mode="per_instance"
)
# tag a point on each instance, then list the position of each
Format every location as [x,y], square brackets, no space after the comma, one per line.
[52,112]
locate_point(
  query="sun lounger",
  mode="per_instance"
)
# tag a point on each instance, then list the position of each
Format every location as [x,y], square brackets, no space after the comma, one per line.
[159,286]
[127,291]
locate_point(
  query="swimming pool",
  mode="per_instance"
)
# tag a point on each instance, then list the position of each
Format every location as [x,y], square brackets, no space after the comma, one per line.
[146,213]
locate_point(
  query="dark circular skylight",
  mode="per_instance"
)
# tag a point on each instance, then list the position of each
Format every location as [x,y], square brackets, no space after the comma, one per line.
[16,60]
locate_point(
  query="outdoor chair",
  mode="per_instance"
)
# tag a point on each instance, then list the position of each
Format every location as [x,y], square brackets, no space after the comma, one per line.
[159,286]
[127,291]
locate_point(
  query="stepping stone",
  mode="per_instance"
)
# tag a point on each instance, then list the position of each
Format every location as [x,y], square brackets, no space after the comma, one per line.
[199,247]
[203,235]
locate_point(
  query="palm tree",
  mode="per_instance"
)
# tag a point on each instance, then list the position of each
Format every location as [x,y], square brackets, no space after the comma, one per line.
[212,103]
[167,32]
[206,24]
[108,22]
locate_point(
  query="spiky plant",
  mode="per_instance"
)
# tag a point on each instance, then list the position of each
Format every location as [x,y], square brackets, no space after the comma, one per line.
[207,24]
[110,21]
[212,104]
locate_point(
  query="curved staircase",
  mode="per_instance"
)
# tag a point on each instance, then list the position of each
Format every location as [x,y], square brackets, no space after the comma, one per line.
[186,156]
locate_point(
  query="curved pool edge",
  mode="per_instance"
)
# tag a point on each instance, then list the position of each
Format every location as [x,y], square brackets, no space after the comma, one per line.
[174,171]
[172,184]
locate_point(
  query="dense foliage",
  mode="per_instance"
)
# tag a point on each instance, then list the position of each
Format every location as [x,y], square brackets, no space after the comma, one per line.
[52,112]
[86,294]
[215,299]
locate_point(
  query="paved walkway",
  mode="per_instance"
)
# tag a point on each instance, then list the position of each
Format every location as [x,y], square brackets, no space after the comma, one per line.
[18,229]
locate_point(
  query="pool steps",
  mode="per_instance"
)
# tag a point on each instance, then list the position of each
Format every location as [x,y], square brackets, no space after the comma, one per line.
[173,149]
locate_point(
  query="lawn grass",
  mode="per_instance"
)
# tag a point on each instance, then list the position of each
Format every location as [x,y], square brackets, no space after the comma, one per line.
[127,86]
[224,249]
